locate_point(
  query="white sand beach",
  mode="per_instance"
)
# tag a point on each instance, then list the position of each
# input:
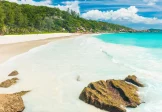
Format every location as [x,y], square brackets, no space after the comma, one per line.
[51,71]
[12,45]
[8,39]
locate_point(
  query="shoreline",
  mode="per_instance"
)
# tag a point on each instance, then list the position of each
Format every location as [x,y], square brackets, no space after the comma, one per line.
[9,49]
[8,39]
[50,71]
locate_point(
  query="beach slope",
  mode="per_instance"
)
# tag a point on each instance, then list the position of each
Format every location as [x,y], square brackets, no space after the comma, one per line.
[14,45]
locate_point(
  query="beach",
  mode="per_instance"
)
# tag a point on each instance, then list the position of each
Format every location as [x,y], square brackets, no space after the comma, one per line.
[12,45]
[50,72]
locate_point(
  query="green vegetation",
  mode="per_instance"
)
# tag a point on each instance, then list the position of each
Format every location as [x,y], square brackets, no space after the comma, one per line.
[23,19]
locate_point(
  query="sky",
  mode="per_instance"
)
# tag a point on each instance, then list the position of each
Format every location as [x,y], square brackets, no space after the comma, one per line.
[137,14]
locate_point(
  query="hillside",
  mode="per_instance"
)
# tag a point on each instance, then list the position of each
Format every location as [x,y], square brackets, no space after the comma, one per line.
[21,19]
[155,30]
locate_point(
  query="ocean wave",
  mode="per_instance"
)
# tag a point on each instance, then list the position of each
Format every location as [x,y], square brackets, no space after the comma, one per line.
[137,58]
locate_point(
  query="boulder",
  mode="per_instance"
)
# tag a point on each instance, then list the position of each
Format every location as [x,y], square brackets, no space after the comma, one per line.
[101,96]
[111,95]
[8,82]
[14,73]
[127,91]
[133,79]
[11,103]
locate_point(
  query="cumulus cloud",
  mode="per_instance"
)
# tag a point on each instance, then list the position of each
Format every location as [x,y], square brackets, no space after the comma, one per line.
[123,14]
[72,5]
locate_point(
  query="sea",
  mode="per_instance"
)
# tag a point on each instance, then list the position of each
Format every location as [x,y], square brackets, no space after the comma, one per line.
[57,73]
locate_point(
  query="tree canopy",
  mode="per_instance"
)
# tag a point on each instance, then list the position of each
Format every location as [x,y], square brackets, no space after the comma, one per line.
[17,19]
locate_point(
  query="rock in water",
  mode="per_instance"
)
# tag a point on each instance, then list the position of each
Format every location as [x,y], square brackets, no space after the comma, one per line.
[14,73]
[133,79]
[11,103]
[111,95]
[9,82]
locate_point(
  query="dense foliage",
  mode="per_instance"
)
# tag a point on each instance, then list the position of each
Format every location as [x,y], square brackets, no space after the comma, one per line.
[16,19]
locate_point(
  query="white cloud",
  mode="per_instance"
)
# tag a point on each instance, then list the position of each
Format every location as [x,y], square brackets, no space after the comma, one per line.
[151,2]
[67,5]
[31,2]
[70,5]
[123,14]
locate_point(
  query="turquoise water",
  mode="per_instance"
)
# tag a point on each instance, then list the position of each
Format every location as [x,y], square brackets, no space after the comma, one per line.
[147,40]
[138,50]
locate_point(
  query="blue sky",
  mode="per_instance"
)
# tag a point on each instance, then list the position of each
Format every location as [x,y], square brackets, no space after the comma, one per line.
[138,14]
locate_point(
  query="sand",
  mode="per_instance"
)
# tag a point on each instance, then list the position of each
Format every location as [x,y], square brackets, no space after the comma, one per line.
[13,45]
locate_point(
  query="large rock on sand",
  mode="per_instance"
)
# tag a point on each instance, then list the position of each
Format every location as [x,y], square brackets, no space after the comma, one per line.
[127,91]
[133,79]
[111,95]
[11,103]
